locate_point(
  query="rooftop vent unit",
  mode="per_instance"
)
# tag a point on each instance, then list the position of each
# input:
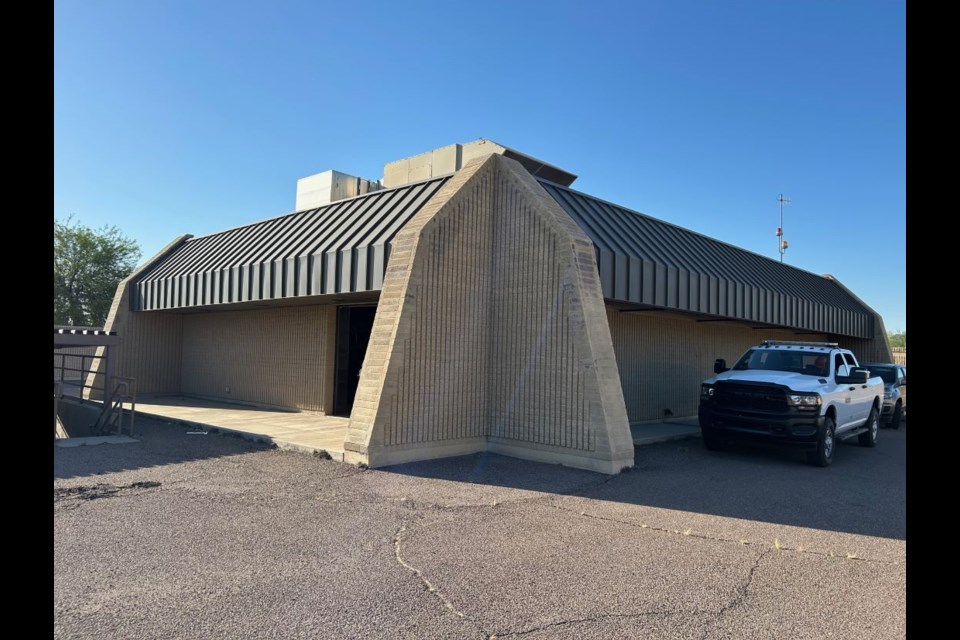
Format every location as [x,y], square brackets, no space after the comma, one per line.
[452,157]
[330,186]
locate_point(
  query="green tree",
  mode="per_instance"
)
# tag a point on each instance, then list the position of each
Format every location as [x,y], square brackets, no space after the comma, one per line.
[897,338]
[88,265]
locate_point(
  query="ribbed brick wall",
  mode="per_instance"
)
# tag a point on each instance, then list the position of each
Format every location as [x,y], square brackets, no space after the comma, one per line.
[150,348]
[491,334]
[533,333]
[554,385]
[663,357]
[441,381]
[280,356]
[150,343]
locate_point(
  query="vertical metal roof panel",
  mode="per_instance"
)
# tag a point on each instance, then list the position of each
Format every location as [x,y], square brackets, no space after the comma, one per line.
[338,248]
[681,269]
[345,246]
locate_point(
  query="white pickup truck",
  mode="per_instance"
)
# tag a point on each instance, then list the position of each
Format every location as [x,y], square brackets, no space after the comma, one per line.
[804,394]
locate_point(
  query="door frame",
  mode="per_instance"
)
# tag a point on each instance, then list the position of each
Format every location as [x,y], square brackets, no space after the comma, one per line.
[341,355]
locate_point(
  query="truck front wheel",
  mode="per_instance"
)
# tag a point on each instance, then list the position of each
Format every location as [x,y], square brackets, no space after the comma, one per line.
[869,437]
[823,456]
[711,440]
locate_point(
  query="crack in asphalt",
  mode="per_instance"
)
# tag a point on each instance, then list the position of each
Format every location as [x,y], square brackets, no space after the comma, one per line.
[702,536]
[745,587]
[418,509]
[401,535]
[597,618]
[453,508]
[738,599]
[415,505]
[741,595]
[398,538]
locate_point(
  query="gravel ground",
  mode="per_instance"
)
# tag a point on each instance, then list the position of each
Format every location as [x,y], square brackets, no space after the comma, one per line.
[191,536]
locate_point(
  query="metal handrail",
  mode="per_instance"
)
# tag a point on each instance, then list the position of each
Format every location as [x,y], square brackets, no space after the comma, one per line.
[57,392]
[95,373]
[129,393]
[85,370]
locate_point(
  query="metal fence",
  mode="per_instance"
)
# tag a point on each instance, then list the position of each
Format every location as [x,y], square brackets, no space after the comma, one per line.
[900,355]
[75,362]
[71,369]
[70,363]
[73,378]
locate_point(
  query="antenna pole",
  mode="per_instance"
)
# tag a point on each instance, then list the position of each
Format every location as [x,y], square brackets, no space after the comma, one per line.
[781,243]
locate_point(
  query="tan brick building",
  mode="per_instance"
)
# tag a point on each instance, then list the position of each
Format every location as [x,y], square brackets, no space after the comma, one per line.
[468,301]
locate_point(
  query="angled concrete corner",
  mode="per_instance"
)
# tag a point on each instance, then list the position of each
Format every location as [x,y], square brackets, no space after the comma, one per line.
[149,342]
[382,431]
[491,334]
[595,405]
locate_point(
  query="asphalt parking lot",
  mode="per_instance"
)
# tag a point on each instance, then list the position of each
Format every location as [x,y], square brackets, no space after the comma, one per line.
[207,536]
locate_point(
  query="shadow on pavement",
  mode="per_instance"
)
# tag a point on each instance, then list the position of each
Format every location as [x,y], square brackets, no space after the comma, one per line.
[158,443]
[863,492]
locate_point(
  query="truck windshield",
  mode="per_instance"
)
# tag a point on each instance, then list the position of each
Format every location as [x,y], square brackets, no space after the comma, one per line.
[811,363]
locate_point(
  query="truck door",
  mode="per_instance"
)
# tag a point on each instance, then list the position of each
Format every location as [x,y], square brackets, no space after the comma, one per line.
[862,402]
[844,398]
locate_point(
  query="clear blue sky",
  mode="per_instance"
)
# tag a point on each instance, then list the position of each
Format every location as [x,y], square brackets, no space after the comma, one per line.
[175,116]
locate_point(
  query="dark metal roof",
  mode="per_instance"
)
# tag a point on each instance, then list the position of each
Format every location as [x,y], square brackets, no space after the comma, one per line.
[647,261]
[337,248]
[539,168]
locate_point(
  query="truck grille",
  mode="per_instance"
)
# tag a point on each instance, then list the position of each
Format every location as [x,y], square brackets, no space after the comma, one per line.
[750,397]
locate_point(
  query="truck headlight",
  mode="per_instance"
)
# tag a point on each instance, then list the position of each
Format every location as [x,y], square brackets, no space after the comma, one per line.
[804,401]
[706,391]
[888,395]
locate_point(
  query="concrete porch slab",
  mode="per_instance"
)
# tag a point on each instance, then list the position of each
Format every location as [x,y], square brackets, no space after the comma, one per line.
[310,433]
[93,440]
[289,430]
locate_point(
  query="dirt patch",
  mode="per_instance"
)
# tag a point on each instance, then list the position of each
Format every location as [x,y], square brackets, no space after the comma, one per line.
[100,490]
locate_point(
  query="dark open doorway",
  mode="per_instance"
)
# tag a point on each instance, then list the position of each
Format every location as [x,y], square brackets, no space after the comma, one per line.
[353,333]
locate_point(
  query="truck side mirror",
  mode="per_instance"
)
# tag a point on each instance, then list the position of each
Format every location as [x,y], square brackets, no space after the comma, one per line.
[720,365]
[857,376]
